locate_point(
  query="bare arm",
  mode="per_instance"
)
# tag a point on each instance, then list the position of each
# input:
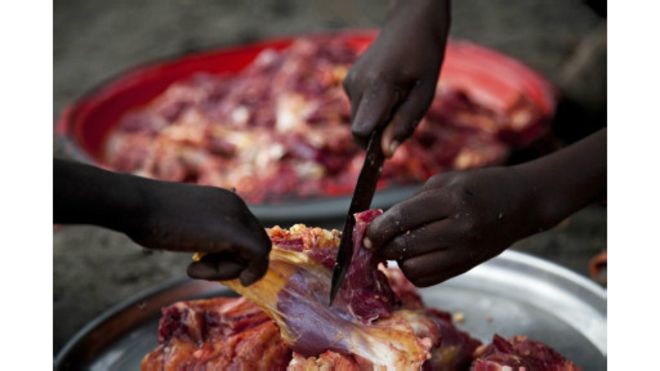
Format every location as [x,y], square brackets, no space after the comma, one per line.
[393,82]
[461,219]
[168,216]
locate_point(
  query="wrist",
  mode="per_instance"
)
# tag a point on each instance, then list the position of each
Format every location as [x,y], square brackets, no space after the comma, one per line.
[544,204]
[430,16]
[569,179]
[134,205]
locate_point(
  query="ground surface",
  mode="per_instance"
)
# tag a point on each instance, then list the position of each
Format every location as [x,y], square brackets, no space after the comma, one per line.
[95,40]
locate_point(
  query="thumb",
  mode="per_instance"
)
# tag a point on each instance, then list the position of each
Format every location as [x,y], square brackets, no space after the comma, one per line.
[438,181]
[407,116]
[374,108]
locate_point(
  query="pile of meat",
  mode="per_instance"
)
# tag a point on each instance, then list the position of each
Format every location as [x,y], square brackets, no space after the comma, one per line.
[377,322]
[281,127]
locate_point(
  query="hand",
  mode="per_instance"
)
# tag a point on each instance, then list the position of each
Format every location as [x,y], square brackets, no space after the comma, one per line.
[183,217]
[460,219]
[394,81]
[455,222]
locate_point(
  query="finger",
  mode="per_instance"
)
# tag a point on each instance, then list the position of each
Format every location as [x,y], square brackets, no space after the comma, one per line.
[215,267]
[423,240]
[435,267]
[422,208]
[247,237]
[256,269]
[353,95]
[437,181]
[374,108]
[255,252]
[407,116]
[246,242]
[258,231]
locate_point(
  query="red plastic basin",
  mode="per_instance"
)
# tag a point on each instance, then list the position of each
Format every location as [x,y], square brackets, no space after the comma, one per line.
[490,77]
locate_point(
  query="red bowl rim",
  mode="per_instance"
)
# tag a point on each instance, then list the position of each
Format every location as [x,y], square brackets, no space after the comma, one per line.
[68,124]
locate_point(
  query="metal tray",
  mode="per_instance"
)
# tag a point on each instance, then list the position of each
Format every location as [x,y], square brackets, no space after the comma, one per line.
[512,294]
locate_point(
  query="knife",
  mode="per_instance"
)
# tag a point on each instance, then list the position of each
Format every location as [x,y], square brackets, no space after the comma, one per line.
[362,196]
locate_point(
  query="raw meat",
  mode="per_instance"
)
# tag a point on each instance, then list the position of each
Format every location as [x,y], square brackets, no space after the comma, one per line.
[281,127]
[367,322]
[519,354]
[378,320]
[217,334]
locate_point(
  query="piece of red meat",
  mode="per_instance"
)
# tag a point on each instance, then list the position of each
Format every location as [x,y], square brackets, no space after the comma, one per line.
[283,321]
[280,128]
[365,291]
[519,354]
[217,334]
[367,323]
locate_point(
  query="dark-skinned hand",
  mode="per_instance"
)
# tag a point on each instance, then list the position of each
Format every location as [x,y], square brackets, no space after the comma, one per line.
[456,221]
[166,216]
[215,221]
[393,82]
[461,219]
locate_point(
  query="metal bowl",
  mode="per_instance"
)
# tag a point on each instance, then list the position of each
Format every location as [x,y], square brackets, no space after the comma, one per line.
[512,294]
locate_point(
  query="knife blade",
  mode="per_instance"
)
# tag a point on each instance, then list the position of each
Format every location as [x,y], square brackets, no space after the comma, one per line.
[362,196]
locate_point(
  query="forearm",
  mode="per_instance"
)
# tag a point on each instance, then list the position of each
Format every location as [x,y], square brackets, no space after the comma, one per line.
[84,194]
[568,180]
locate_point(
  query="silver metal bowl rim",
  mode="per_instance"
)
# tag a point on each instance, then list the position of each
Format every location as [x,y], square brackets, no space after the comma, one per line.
[509,255]
[523,258]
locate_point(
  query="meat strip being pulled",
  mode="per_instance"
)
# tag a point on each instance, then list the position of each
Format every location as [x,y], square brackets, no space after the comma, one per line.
[283,322]
[368,324]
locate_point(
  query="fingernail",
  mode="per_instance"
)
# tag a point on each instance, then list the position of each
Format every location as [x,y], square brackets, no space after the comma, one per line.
[367,243]
[393,146]
[247,278]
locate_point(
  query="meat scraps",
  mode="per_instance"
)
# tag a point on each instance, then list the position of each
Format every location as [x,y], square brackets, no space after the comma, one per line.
[519,353]
[378,321]
[281,127]
[217,334]
[367,321]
